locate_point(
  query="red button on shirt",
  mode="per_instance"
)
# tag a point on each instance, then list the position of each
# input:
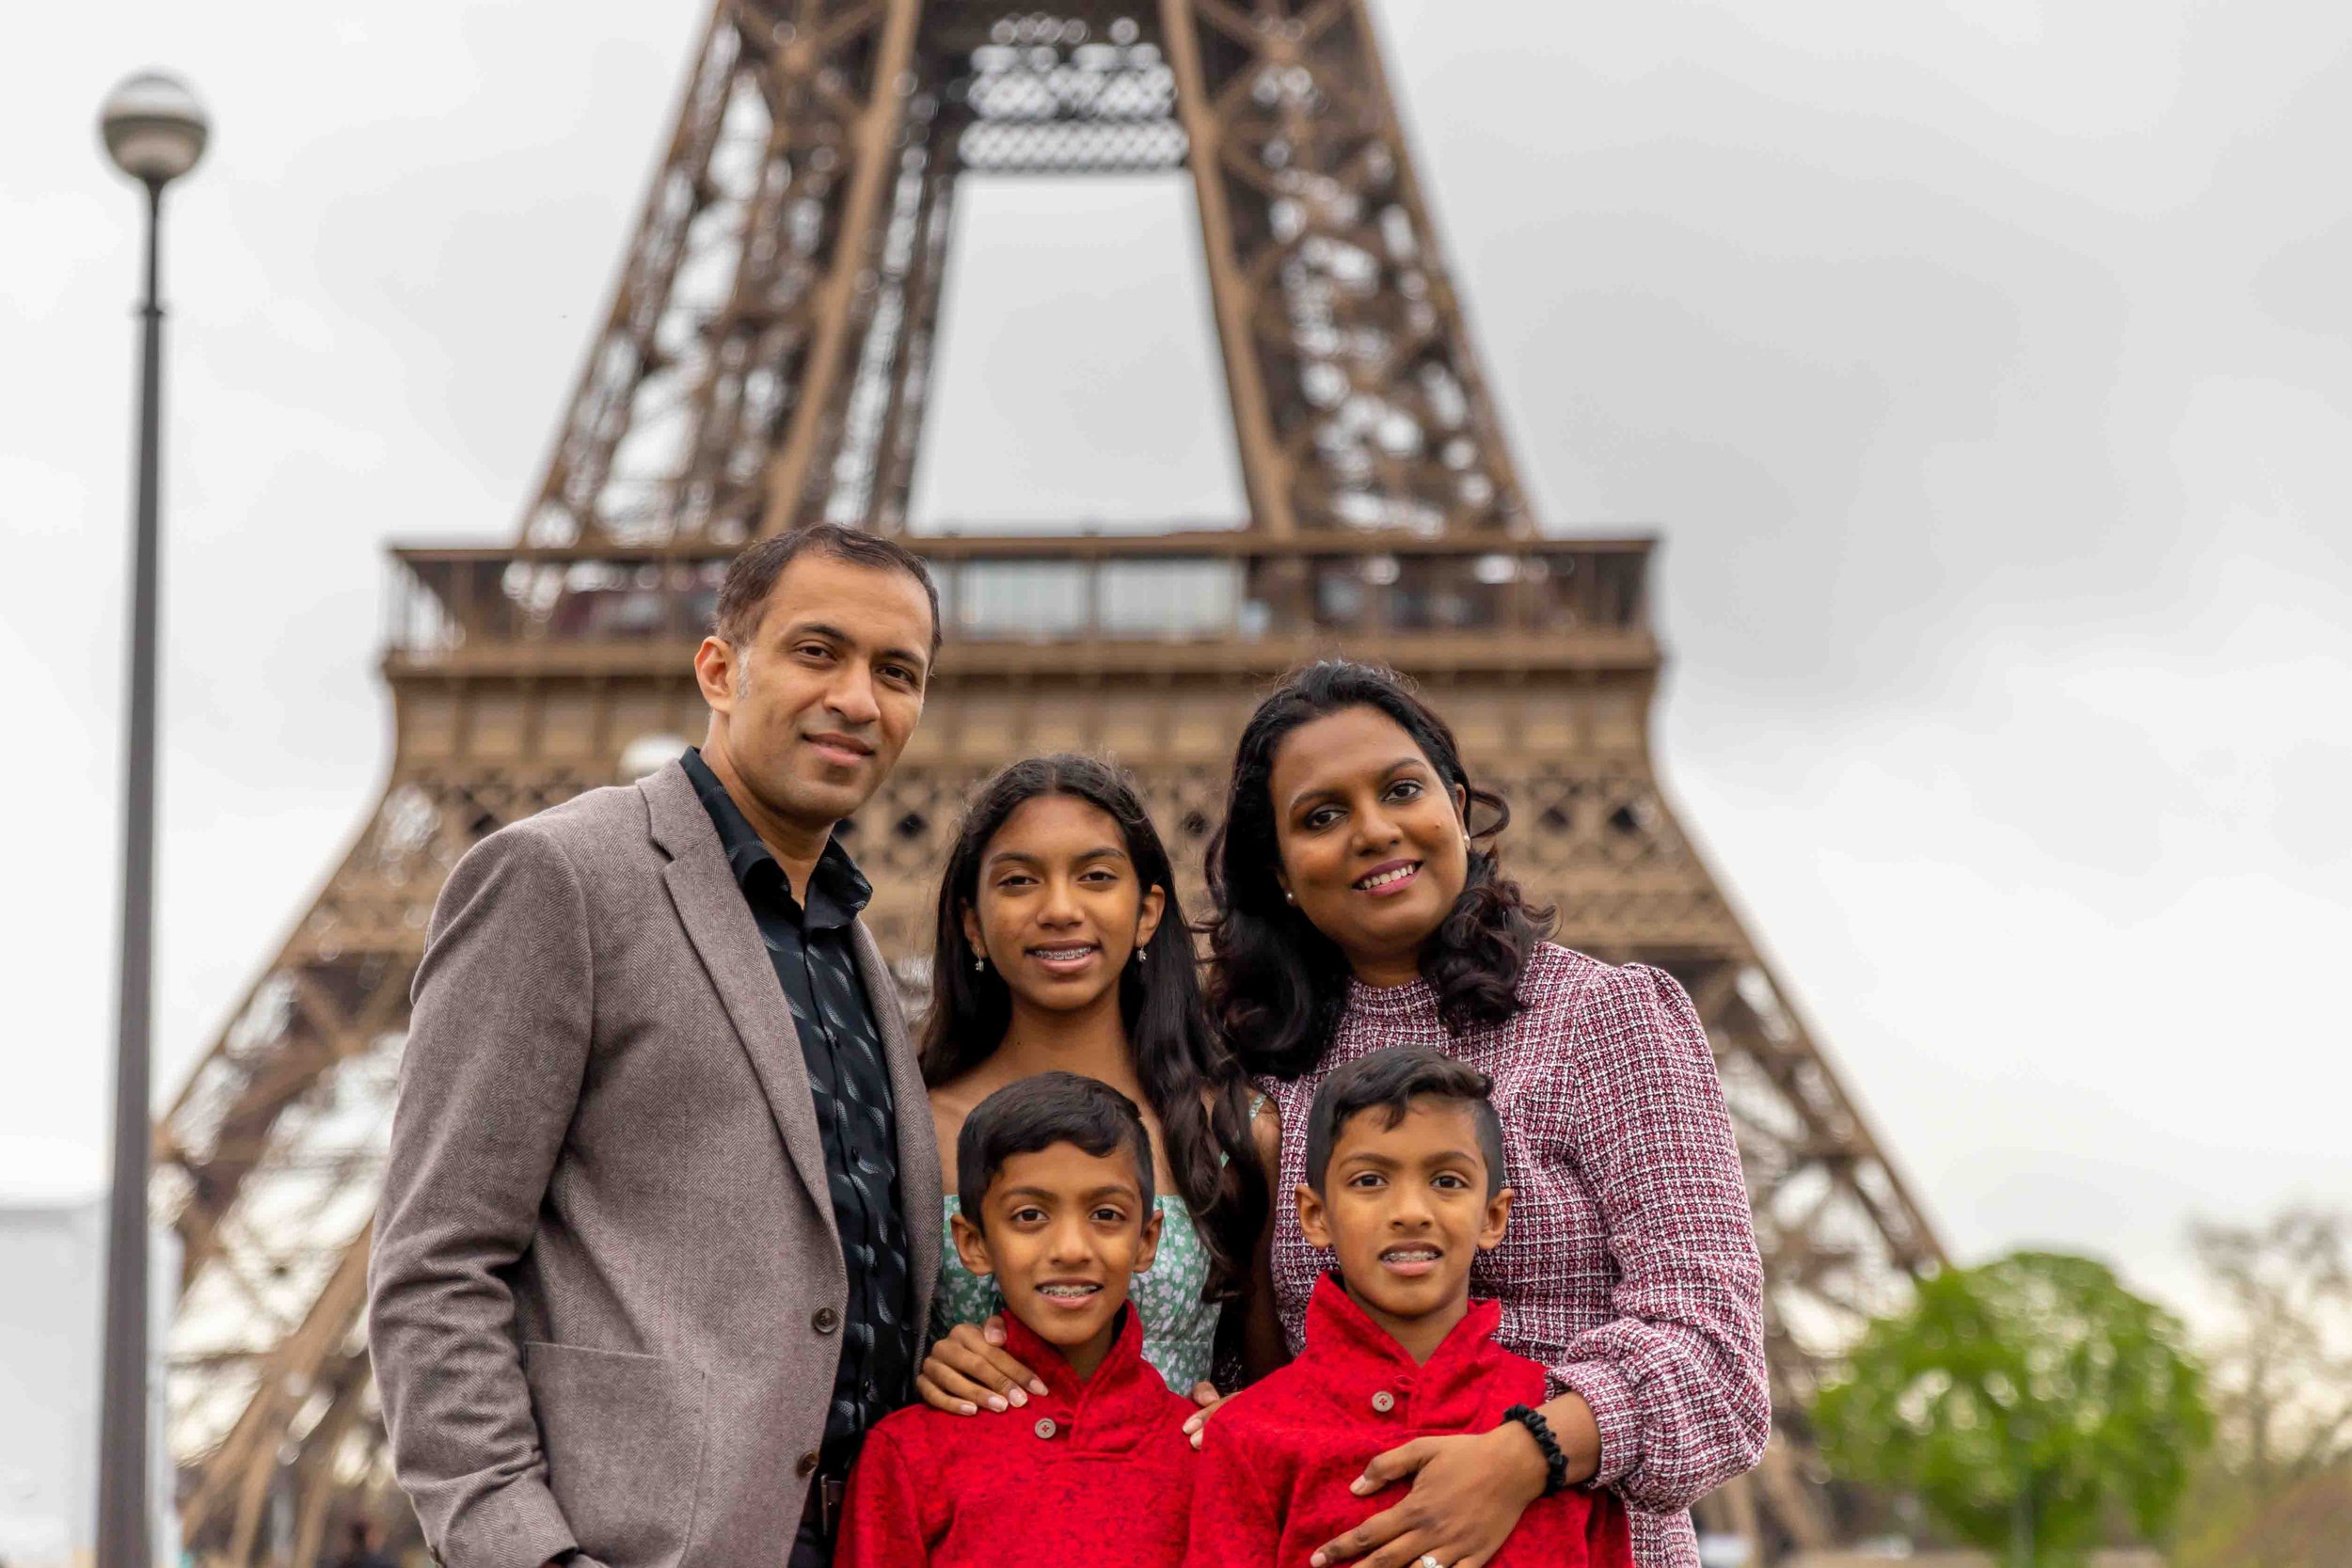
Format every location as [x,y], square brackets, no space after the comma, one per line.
[1277,1458]
[1096,1472]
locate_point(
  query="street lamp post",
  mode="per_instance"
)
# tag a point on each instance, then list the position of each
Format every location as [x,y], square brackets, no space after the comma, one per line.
[154,130]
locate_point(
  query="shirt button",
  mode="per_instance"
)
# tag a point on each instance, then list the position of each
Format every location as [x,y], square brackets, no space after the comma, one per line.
[1046,1427]
[806,1465]
[826,1320]
[1384,1402]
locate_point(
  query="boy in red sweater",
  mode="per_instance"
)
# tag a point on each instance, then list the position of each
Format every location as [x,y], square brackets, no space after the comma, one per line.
[1404,1184]
[1054,1175]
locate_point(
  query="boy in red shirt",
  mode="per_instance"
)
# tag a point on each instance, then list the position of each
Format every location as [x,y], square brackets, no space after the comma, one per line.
[1404,1184]
[1054,1175]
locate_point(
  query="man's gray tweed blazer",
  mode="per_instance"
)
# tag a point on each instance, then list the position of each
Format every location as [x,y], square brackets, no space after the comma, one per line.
[607,1290]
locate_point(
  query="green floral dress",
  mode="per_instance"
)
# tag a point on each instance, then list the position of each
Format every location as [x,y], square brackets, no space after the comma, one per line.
[1179,1328]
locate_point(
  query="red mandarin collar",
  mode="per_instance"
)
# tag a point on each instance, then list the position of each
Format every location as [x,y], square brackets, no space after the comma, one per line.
[1110,1410]
[1356,1358]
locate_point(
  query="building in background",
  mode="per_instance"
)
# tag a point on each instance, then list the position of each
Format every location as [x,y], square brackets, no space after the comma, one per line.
[52,1276]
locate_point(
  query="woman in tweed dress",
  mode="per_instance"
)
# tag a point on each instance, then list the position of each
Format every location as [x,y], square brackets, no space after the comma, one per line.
[1360,906]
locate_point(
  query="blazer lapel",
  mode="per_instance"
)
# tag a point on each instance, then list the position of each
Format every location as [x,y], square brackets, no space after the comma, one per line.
[710,906]
[919,1192]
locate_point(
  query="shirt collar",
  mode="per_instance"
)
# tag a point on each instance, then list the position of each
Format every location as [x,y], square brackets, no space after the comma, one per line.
[1356,1355]
[837,889]
[1111,1409]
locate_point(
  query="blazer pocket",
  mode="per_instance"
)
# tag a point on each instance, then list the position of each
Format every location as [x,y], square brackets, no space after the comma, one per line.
[624,1441]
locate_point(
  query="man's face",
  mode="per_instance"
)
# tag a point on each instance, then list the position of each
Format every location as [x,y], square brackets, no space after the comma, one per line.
[1063,1231]
[816,708]
[1405,1209]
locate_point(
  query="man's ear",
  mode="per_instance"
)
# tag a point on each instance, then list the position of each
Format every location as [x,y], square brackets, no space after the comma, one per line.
[1148,917]
[972,1246]
[1498,1216]
[1311,1223]
[1151,1247]
[716,671]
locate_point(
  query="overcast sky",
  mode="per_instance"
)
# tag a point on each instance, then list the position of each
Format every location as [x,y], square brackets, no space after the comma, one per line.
[1987,366]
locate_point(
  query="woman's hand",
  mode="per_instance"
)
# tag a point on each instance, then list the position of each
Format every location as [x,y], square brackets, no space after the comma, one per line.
[969,1369]
[1466,1497]
[1208,1399]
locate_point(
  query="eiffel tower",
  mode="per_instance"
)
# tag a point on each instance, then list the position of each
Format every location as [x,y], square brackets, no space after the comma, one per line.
[764,363]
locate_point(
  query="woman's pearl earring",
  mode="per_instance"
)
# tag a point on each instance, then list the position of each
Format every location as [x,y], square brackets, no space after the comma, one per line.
[1289,897]
[978,963]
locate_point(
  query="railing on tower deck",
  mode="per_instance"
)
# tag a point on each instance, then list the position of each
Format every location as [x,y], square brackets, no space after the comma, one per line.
[1538,603]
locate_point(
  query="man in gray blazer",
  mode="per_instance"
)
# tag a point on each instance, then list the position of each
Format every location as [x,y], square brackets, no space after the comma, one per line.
[661,1214]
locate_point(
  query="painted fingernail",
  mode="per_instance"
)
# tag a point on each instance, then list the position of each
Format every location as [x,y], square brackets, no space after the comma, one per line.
[996,1403]
[1018,1397]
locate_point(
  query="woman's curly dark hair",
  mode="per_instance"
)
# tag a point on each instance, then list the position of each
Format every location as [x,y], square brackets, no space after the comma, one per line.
[1277,985]
[1193,1084]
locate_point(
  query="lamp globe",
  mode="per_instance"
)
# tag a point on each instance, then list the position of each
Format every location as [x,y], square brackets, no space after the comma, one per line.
[154,127]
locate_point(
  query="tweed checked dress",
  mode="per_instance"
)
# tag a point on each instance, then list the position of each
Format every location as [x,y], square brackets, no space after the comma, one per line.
[1096,1473]
[1629,1269]
[1276,1461]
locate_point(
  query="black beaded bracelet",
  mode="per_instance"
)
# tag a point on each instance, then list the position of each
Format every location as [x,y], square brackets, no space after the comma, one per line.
[1555,1462]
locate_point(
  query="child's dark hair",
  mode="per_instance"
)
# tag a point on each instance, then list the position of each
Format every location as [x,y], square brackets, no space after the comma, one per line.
[1391,1080]
[1037,1113]
[1194,1085]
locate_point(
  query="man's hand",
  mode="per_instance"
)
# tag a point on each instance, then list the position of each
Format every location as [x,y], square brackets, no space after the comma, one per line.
[969,1369]
[1466,1497]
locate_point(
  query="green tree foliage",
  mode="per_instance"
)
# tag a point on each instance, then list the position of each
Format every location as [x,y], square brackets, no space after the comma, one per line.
[2022,1403]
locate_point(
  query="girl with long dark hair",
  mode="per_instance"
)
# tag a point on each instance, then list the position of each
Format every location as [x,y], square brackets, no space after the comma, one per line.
[1361,904]
[1061,945]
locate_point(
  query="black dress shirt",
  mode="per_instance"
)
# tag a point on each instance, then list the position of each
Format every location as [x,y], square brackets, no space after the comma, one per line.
[816,962]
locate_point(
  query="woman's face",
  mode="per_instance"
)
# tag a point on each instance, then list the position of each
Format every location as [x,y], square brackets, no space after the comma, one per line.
[1371,839]
[1057,909]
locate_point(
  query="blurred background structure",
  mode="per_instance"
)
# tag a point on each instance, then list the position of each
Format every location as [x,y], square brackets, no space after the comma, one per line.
[764,364]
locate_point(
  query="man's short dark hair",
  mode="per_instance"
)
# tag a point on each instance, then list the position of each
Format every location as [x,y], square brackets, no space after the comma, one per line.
[1035,1115]
[1391,1080]
[752,576]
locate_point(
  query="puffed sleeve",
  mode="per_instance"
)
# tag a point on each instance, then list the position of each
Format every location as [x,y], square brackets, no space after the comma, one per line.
[1677,1379]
